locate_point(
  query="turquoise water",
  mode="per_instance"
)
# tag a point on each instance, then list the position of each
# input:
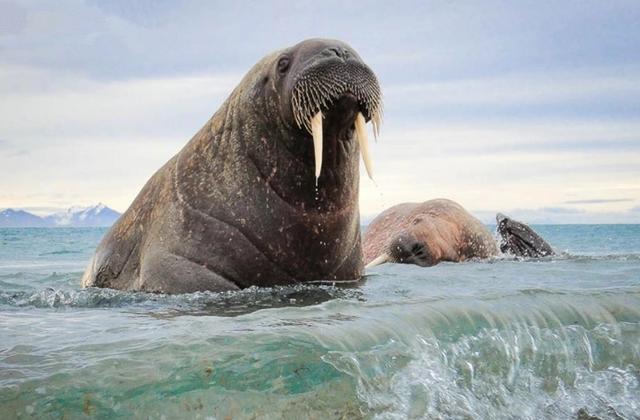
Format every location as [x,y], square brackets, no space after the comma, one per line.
[551,338]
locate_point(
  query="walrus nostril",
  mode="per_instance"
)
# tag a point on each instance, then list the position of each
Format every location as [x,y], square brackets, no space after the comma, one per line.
[407,249]
[337,51]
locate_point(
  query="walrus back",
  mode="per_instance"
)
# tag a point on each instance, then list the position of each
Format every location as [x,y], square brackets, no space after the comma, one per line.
[114,253]
[116,261]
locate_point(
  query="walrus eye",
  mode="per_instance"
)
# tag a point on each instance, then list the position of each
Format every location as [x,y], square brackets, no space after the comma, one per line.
[283,65]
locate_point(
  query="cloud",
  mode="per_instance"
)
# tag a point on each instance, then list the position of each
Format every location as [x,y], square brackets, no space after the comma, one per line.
[13,18]
[523,88]
[560,210]
[407,40]
[43,211]
[96,171]
[146,13]
[18,153]
[66,105]
[562,216]
[513,135]
[600,201]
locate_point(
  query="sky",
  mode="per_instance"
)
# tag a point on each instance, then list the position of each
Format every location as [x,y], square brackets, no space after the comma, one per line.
[530,108]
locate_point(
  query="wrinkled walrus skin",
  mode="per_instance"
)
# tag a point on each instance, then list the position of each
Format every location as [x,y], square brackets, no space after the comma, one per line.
[441,230]
[238,205]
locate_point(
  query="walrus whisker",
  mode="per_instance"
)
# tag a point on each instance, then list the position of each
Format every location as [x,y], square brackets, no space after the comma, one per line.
[313,93]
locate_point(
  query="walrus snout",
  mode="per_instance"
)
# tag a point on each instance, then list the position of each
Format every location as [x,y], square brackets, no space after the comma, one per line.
[407,249]
[321,72]
[329,90]
[326,80]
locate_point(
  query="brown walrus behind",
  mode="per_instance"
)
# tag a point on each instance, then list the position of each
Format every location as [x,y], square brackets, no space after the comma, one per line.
[441,230]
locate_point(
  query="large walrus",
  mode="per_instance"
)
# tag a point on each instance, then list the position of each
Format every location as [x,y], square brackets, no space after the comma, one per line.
[441,230]
[266,193]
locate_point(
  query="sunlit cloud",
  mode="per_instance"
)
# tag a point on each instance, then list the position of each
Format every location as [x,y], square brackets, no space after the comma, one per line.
[600,201]
[109,110]
[522,89]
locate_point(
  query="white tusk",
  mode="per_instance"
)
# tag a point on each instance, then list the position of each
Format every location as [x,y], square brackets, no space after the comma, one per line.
[316,132]
[375,122]
[381,259]
[361,132]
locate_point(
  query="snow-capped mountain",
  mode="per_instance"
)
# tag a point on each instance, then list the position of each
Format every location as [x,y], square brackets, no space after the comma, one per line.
[93,216]
[98,215]
[20,218]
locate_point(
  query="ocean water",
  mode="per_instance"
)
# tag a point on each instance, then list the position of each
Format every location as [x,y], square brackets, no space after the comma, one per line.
[506,339]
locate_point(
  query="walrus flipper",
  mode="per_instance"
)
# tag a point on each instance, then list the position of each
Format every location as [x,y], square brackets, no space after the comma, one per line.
[520,240]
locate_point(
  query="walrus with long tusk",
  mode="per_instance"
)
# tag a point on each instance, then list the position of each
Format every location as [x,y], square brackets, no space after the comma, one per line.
[266,193]
[441,230]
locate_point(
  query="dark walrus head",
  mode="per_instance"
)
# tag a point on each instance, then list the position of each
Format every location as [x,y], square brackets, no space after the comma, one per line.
[320,75]
[319,92]
[520,240]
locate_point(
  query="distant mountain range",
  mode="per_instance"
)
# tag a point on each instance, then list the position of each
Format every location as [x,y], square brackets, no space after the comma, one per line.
[93,216]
